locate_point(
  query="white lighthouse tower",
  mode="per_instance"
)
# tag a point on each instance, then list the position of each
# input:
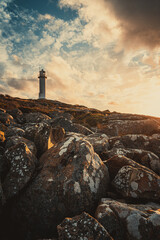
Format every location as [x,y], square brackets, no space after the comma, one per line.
[42,84]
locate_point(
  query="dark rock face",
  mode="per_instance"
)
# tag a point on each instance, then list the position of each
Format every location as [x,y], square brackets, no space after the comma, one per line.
[58,134]
[12,141]
[22,165]
[129,221]
[30,130]
[109,220]
[69,126]
[58,114]
[43,138]
[6,118]
[137,183]
[99,142]
[135,141]
[36,117]
[17,115]
[146,158]
[124,127]
[73,179]
[43,135]
[82,227]
[14,131]
[115,163]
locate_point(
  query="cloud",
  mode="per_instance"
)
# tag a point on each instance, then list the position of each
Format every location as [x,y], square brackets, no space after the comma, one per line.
[21,84]
[138,20]
[17,84]
[113,103]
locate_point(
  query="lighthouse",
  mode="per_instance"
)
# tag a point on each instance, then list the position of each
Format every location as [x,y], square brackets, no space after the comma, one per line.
[42,84]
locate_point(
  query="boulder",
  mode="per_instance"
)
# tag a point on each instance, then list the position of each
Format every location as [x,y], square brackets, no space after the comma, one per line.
[135,141]
[124,127]
[30,130]
[138,183]
[69,126]
[146,158]
[80,227]
[36,117]
[58,134]
[43,138]
[12,141]
[14,131]
[109,220]
[115,163]
[129,221]
[56,114]
[17,115]
[72,179]
[6,118]
[99,142]
[43,135]
[22,163]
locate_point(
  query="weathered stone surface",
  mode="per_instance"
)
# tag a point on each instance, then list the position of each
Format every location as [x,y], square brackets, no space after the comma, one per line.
[73,179]
[129,221]
[99,142]
[135,141]
[12,141]
[58,134]
[17,115]
[69,126]
[137,183]
[14,131]
[124,127]
[57,114]
[115,163]
[140,156]
[22,164]
[6,118]
[80,227]
[43,138]
[36,117]
[30,130]
[110,220]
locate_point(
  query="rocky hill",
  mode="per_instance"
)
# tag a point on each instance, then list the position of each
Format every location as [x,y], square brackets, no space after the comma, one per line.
[72,172]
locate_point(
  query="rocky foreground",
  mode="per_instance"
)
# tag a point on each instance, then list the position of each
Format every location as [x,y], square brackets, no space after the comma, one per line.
[70,172]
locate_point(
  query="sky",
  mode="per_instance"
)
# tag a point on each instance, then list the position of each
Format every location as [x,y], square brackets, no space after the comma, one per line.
[103,54]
